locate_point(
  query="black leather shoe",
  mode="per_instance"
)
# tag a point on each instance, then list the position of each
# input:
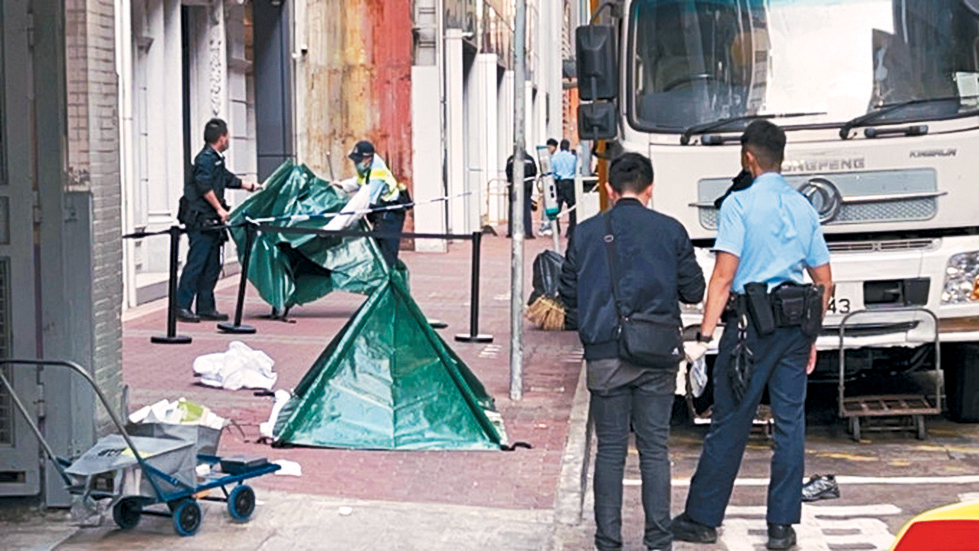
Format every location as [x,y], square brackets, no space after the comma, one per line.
[685,528]
[780,536]
[186,316]
[213,315]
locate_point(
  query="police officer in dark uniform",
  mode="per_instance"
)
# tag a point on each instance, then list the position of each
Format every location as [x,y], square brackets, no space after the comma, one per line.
[768,232]
[202,208]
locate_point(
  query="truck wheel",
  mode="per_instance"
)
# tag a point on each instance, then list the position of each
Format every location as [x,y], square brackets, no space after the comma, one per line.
[127,512]
[241,502]
[187,518]
[960,364]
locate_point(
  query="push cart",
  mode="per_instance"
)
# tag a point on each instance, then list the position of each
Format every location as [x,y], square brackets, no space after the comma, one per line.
[179,495]
[913,407]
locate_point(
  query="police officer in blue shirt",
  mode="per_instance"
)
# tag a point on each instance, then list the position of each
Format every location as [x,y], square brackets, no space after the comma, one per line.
[202,208]
[768,234]
[565,164]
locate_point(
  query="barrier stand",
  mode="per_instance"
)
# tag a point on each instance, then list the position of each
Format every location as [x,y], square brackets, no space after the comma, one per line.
[237,328]
[474,336]
[172,337]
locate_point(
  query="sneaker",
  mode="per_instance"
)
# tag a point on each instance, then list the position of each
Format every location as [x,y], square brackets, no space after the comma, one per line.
[820,487]
[686,529]
[780,536]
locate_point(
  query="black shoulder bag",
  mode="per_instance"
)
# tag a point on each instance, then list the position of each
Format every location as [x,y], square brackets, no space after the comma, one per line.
[654,342]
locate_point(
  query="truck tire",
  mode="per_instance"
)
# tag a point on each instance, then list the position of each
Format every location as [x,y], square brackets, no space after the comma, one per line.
[960,362]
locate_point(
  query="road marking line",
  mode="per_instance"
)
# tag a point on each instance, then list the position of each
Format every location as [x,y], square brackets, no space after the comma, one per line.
[843,480]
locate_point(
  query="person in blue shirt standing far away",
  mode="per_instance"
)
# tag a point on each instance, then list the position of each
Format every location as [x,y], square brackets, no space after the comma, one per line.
[768,234]
[565,164]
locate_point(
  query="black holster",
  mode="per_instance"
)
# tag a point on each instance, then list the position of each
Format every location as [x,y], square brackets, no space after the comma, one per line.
[788,305]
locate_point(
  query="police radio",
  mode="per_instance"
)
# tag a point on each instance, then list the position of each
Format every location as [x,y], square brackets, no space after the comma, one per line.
[549,191]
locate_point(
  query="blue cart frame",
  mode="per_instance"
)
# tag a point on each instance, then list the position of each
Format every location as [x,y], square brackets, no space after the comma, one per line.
[182,504]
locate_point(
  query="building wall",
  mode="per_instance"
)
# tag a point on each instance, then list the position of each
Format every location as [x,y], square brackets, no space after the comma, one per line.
[354,82]
[93,170]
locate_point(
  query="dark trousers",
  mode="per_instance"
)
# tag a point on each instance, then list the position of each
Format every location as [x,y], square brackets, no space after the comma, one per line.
[389,221]
[780,364]
[528,223]
[565,196]
[646,403]
[201,271]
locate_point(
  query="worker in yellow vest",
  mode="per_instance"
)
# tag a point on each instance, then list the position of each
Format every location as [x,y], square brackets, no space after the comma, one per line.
[375,187]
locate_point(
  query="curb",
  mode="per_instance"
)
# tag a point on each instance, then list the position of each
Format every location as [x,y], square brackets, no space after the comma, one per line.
[570,495]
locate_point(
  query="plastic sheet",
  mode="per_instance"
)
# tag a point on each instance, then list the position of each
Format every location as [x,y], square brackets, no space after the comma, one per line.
[291,269]
[388,381]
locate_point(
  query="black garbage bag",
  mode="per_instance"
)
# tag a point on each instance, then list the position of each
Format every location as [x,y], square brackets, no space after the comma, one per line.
[547,275]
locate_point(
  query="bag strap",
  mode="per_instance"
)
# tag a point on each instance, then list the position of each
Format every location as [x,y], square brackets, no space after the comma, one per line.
[610,247]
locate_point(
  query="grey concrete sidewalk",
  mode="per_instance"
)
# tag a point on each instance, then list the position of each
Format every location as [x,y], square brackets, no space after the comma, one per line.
[299,522]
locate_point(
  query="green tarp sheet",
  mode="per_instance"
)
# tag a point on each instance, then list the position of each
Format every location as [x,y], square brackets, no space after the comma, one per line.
[388,381]
[291,269]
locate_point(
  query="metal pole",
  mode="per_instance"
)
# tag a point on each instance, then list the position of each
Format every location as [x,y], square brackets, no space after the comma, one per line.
[556,235]
[516,256]
[474,335]
[237,327]
[172,337]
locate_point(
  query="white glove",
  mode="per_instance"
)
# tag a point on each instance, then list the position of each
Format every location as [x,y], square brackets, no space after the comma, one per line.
[694,350]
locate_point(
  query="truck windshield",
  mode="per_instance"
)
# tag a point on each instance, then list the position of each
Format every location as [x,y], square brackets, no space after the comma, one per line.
[697,61]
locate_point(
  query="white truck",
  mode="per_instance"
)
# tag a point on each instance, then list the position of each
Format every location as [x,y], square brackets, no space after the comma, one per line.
[880,102]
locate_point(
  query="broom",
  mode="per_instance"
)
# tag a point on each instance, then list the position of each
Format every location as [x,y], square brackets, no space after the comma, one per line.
[547,313]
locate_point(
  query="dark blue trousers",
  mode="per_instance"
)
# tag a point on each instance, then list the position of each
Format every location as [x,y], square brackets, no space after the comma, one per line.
[201,272]
[780,364]
[390,221]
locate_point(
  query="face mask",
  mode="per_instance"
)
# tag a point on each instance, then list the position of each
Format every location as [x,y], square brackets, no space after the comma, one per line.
[362,167]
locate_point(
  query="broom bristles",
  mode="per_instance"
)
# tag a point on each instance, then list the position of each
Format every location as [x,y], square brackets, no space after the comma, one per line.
[547,314]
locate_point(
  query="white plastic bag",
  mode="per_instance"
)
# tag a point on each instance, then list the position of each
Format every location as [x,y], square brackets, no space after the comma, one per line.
[239,367]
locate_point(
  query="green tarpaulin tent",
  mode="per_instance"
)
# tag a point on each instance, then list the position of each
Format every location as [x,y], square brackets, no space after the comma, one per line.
[388,381]
[291,269]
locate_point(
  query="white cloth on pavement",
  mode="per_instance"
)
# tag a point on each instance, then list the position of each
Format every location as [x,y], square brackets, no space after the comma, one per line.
[281,397]
[239,367]
[289,468]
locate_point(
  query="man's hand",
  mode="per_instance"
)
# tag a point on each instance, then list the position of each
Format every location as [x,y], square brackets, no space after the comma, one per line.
[694,350]
[224,215]
[811,366]
[252,186]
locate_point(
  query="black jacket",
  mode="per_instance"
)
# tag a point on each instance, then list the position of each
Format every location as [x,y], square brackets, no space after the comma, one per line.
[209,174]
[655,265]
[529,169]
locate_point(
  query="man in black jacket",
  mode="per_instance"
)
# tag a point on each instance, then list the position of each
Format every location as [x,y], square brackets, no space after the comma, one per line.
[202,207]
[656,270]
[529,177]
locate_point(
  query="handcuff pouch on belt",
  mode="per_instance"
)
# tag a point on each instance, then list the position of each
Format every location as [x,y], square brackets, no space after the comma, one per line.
[788,305]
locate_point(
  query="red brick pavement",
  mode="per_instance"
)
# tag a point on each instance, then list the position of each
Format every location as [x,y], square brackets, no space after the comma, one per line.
[440,283]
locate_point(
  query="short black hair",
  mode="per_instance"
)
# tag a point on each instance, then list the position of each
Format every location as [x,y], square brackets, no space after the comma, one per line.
[630,172]
[565,145]
[214,130]
[766,141]
[552,141]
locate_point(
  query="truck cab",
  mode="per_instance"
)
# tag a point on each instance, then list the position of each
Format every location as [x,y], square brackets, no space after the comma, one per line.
[880,103]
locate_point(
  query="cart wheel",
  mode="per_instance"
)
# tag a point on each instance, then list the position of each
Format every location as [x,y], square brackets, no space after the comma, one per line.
[919,426]
[127,512]
[855,428]
[187,518]
[241,502]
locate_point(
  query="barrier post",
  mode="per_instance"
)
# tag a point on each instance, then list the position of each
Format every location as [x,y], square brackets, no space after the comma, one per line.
[474,335]
[172,337]
[236,327]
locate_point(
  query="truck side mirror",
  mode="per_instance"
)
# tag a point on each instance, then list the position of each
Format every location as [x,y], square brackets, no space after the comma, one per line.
[598,72]
[596,121]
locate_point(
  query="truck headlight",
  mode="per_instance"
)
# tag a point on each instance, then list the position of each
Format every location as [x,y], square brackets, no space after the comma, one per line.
[962,279]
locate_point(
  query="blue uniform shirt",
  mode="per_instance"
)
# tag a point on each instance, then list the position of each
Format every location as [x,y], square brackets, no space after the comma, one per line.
[773,230]
[564,163]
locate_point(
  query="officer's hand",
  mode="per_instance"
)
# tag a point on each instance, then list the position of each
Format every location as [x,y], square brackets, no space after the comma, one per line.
[256,186]
[694,350]
[811,366]
[224,215]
